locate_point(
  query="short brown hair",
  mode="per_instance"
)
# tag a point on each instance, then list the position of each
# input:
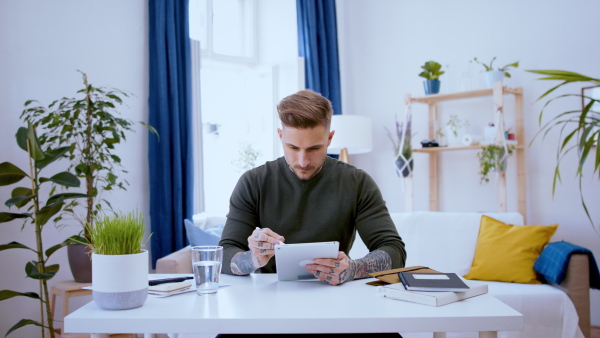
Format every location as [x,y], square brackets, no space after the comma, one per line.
[305,109]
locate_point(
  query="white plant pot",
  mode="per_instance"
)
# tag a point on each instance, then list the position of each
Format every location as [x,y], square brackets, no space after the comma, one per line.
[454,140]
[493,76]
[120,282]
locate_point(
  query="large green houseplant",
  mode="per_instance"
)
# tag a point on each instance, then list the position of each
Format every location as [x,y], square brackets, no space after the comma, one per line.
[90,127]
[29,196]
[578,128]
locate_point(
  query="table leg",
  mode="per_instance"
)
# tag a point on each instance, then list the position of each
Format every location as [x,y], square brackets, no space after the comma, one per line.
[439,335]
[488,334]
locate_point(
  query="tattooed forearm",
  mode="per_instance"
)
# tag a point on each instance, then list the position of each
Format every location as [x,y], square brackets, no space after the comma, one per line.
[241,263]
[377,260]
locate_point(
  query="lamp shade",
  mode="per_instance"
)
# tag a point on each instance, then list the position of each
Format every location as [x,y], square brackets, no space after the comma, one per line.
[351,132]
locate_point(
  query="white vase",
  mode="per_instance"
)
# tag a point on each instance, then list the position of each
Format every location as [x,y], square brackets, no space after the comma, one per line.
[493,76]
[120,282]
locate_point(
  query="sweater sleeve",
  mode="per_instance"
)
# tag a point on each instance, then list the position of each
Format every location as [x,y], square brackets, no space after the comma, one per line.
[241,221]
[374,224]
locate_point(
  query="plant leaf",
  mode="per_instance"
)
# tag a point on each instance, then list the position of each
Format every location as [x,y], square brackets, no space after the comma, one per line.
[10,174]
[51,156]
[64,196]
[48,211]
[18,201]
[21,191]
[6,294]
[14,245]
[9,216]
[21,323]
[53,249]
[34,144]
[65,179]
[32,271]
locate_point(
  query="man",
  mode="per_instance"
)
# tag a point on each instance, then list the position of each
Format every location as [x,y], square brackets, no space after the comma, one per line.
[307,196]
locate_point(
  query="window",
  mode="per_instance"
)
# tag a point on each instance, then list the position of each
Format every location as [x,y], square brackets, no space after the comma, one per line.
[242,67]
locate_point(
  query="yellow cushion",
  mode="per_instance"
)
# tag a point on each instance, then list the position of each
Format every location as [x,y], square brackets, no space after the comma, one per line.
[506,253]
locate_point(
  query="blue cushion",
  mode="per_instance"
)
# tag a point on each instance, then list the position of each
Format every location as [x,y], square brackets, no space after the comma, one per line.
[198,236]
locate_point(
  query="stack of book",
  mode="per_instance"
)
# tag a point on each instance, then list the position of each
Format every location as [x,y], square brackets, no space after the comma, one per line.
[169,289]
[435,289]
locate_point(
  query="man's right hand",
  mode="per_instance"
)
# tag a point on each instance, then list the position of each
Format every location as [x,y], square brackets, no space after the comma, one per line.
[262,247]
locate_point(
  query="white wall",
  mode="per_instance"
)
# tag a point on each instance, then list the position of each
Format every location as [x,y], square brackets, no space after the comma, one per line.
[384,43]
[42,45]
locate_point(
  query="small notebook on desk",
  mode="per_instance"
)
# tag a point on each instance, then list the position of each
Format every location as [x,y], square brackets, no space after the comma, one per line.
[398,292]
[415,281]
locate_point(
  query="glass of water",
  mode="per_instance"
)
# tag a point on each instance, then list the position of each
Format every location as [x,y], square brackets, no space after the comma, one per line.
[206,263]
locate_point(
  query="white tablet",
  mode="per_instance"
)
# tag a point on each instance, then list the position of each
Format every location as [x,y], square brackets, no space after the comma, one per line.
[290,259]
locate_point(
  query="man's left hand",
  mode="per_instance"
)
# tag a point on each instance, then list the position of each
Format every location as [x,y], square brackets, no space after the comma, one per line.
[332,271]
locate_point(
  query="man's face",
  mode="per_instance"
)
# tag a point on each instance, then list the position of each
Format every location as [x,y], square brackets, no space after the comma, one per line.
[305,150]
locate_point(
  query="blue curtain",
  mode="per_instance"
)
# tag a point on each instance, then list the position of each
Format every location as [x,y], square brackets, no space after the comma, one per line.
[317,43]
[170,112]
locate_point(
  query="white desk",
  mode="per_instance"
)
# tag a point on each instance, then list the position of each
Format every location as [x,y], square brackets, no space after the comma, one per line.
[261,304]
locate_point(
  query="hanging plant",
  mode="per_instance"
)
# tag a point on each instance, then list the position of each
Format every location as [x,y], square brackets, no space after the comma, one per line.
[492,158]
[402,145]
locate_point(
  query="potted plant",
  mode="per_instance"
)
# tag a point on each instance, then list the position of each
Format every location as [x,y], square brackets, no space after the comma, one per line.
[492,158]
[38,215]
[120,262]
[89,126]
[402,146]
[493,75]
[431,72]
[579,128]
[455,127]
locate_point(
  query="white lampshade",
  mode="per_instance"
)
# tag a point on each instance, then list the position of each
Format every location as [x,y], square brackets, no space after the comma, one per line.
[351,132]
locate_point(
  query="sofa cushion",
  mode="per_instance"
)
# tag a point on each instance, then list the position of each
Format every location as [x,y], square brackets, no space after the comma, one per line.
[444,241]
[198,236]
[507,253]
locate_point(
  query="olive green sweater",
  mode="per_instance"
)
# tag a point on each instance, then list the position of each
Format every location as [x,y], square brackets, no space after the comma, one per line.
[330,206]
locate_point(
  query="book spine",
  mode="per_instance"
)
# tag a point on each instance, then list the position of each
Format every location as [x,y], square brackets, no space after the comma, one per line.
[403,279]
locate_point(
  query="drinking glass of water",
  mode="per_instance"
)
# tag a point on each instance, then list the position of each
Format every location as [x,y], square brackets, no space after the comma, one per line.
[206,262]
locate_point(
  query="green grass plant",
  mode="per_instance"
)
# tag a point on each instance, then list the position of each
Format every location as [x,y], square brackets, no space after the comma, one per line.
[118,234]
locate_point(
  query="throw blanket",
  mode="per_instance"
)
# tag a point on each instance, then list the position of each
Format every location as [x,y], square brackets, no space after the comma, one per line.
[553,262]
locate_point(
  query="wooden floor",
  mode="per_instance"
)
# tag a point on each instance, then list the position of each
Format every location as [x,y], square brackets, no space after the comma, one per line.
[595,332]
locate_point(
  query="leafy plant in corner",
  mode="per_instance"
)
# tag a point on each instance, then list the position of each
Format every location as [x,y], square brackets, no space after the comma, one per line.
[38,215]
[489,67]
[89,126]
[492,158]
[431,70]
[579,129]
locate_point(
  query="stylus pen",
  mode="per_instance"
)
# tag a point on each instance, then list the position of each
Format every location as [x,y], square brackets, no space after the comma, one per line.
[168,280]
[257,228]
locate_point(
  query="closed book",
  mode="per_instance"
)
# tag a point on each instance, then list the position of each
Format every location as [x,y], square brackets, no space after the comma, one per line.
[415,281]
[435,298]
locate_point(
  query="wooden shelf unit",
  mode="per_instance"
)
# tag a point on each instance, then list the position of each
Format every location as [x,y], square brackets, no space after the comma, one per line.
[497,93]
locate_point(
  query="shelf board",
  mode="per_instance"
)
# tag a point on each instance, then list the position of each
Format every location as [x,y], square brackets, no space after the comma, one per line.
[439,149]
[434,98]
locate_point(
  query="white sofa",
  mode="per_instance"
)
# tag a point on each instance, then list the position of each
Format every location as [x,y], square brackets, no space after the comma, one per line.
[446,241]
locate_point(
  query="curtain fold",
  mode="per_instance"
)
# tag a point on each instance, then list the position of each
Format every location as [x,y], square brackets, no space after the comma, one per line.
[317,43]
[170,156]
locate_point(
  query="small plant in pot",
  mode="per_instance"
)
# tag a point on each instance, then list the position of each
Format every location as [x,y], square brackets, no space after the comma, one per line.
[120,262]
[492,158]
[455,128]
[431,72]
[493,75]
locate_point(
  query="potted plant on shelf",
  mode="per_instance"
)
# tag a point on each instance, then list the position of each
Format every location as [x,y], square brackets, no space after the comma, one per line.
[455,129]
[402,146]
[579,128]
[492,158]
[38,215]
[89,126]
[493,75]
[120,262]
[431,72]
